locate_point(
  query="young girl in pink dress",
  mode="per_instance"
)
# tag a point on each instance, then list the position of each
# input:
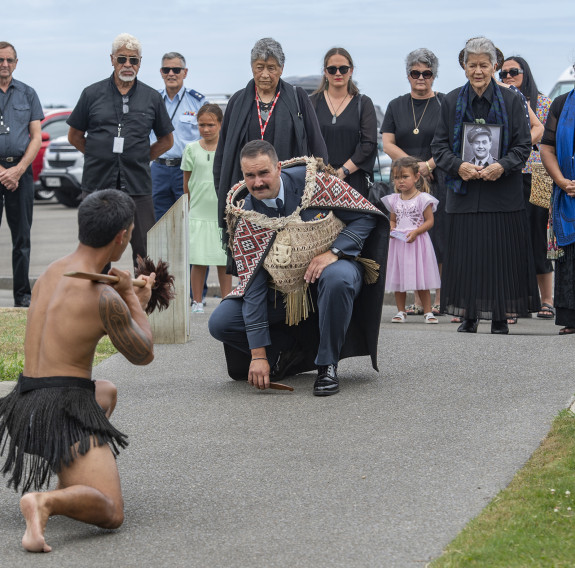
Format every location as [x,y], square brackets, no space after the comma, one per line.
[411,262]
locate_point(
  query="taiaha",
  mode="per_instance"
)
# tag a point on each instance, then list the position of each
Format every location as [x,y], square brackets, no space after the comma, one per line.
[163,290]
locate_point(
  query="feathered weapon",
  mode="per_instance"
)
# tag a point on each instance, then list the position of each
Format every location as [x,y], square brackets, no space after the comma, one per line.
[163,290]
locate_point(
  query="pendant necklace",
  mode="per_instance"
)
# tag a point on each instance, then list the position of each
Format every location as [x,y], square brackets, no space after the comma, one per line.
[416,124]
[204,146]
[334,117]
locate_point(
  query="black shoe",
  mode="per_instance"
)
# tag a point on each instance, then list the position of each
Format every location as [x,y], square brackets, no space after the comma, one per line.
[499,326]
[468,326]
[326,382]
[23,302]
[286,360]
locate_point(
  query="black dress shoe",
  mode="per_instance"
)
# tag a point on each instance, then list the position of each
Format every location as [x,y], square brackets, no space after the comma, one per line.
[499,326]
[468,326]
[326,382]
[23,302]
[286,360]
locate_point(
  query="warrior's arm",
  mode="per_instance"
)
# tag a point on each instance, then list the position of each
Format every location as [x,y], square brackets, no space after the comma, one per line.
[358,227]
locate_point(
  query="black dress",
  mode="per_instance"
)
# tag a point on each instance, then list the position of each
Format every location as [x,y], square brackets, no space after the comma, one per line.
[398,121]
[351,137]
[489,271]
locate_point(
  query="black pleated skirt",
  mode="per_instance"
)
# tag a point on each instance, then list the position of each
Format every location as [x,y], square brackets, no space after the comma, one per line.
[489,271]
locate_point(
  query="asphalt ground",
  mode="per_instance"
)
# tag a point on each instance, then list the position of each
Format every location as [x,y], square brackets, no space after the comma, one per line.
[386,473]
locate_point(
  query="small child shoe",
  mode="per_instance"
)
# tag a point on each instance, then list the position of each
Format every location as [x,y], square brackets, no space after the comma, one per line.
[399,318]
[430,318]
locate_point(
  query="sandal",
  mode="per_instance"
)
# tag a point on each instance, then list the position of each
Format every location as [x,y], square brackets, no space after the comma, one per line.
[400,317]
[546,312]
[414,310]
[566,331]
[456,319]
[430,318]
[435,310]
[511,320]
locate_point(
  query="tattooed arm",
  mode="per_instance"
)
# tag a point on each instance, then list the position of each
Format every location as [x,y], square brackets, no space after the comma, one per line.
[124,320]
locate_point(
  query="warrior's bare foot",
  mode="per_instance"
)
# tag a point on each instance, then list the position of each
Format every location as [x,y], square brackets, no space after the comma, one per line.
[36,515]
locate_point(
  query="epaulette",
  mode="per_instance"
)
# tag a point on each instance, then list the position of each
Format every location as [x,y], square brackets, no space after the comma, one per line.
[195,94]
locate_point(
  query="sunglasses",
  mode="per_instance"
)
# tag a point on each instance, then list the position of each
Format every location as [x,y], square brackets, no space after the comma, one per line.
[125,101]
[175,70]
[417,74]
[343,69]
[8,60]
[511,72]
[121,59]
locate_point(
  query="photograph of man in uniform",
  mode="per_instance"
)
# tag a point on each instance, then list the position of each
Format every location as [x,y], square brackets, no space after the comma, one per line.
[482,145]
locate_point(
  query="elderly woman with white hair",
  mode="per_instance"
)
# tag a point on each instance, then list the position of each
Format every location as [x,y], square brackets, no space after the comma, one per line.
[488,272]
[269,109]
[407,130]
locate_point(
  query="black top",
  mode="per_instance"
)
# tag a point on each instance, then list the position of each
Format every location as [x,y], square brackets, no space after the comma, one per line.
[503,194]
[20,106]
[98,112]
[552,119]
[398,120]
[351,137]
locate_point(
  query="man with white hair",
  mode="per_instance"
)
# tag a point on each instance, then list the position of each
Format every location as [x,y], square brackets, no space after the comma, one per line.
[118,115]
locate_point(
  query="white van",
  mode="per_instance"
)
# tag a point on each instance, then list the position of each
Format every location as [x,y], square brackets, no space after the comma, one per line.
[565,83]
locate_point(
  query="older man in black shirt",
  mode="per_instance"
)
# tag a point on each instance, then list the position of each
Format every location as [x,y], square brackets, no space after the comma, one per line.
[20,140]
[118,114]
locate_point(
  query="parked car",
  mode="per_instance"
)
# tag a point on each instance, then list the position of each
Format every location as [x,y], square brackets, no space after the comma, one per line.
[565,83]
[53,126]
[62,172]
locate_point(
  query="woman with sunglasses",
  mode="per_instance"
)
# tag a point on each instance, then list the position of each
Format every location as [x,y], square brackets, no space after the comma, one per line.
[407,130]
[347,120]
[516,71]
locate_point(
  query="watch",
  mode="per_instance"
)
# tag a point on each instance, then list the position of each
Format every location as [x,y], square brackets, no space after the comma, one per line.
[337,252]
[345,171]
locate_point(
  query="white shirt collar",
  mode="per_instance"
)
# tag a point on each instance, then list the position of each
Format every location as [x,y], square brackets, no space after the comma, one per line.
[272,202]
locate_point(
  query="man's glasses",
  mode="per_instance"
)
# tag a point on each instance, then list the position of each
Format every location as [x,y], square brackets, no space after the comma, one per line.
[9,60]
[511,72]
[343,69]
[121,59]
[125,107]
[175,70]
[427,74]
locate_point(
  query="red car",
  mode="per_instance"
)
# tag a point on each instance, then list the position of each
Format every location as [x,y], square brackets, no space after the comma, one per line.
[53,125]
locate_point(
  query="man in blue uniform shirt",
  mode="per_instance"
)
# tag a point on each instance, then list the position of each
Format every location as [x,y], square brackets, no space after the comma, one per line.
[182,105]
[20,140]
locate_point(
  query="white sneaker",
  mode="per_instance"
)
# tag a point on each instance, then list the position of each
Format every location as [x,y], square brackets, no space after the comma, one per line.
[197,308]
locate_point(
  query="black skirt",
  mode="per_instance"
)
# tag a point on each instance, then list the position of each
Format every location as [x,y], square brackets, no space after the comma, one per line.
[489,271]
[564,296]
[45,423]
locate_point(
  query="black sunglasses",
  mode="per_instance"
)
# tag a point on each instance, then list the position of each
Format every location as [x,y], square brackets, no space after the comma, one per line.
[511,72]
[175,70]
[121,59]
[343,69]
[417,74]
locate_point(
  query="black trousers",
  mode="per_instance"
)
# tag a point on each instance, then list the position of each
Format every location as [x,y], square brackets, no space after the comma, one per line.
[19,206]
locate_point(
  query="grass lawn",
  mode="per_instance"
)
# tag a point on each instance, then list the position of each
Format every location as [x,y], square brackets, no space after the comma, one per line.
[12,330]
[532,521]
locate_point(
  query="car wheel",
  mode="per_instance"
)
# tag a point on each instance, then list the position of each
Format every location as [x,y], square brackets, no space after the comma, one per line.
[68,199]
[43,194]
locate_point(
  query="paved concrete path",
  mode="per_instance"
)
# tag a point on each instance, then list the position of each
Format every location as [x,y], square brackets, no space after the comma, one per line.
[384,474]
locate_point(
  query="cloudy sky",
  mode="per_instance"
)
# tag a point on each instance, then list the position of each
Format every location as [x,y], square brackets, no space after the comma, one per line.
[64,46]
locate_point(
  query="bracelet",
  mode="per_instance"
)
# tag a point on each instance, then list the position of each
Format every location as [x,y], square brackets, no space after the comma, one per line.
[260,359]
[428,166]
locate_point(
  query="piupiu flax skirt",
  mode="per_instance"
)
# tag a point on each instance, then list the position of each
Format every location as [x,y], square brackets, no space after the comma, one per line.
[45,423]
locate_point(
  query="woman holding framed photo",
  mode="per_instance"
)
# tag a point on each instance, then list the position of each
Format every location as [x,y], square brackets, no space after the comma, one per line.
[488,272]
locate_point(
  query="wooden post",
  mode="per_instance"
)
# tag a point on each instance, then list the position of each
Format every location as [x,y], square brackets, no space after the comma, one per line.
[168,240]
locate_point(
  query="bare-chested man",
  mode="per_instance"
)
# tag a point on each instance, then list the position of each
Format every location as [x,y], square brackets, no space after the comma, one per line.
[57,417]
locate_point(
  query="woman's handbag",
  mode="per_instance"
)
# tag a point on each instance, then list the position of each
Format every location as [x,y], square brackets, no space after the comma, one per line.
[541,186]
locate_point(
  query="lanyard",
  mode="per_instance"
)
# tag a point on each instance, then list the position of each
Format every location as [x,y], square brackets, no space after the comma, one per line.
[5,107]
[176,109]
[263,128]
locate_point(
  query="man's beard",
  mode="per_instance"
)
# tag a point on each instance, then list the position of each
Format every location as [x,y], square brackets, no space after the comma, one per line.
[126,78]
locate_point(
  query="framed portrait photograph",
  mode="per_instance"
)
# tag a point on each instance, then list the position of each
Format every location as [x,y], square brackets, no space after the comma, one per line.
[481,143]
